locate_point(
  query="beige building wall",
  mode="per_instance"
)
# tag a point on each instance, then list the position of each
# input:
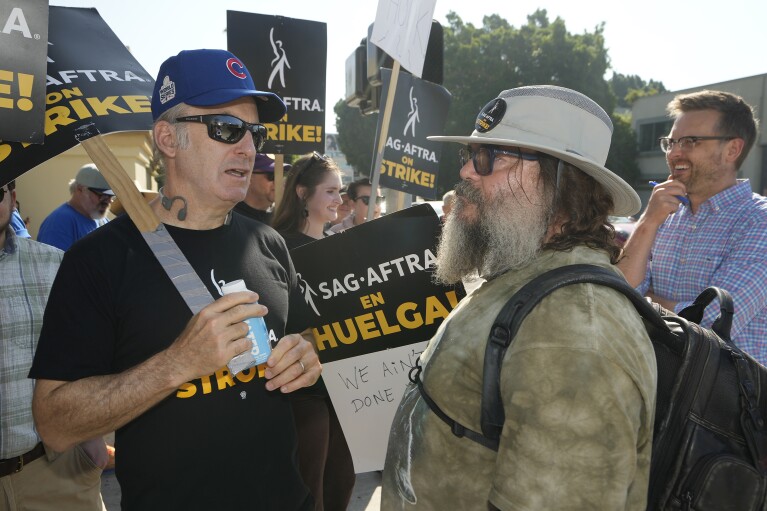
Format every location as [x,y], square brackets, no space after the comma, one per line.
[44,188]
[652,163]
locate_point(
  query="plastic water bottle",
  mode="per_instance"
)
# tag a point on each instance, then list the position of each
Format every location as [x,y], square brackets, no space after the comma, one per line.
[257,333]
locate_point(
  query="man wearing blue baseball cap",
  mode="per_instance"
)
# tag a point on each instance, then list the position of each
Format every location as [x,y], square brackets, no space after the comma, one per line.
[120,350]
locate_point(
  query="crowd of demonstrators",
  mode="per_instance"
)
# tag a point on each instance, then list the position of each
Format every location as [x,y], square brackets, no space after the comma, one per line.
[84,212]
[120,350]
[704,226]
[360,195]
[312,197]
[259,200]
[578,382]
[33,477]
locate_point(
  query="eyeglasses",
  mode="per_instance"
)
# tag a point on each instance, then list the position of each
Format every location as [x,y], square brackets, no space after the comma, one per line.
[102,197]
[484,157]
[685,143]
[268,175]
[3,191]
[228,128]
[366,199]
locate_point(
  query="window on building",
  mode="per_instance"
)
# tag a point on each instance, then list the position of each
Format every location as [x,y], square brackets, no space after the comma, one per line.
[650,132]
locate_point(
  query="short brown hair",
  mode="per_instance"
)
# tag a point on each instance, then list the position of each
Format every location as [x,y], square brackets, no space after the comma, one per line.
[736,116]
[354,186]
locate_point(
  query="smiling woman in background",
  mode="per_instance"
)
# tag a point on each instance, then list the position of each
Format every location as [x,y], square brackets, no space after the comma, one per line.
[311,199]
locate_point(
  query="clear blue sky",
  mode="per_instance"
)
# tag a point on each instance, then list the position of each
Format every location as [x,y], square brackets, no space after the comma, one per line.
[682,43]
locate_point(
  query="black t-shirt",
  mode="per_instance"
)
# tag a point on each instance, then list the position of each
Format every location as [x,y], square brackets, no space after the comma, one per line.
[218,442]
[256,214]
[296,239]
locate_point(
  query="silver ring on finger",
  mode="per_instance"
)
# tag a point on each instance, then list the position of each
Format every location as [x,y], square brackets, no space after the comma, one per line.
[303,369]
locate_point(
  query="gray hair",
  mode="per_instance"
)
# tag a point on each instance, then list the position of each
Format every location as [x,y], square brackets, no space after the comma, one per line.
[182,132]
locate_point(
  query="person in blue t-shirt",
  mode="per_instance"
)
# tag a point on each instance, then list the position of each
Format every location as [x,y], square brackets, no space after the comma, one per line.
[84,212]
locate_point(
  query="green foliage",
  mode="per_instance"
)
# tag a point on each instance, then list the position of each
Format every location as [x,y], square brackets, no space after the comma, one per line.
[356,136]
[629,88]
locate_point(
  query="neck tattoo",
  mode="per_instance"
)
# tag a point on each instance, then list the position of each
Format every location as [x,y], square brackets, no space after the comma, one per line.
[167,203]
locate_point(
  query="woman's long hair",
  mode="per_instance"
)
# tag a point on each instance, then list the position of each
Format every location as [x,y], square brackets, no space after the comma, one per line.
[309,171]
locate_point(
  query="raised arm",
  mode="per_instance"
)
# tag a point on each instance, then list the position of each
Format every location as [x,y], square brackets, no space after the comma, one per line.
[636,252]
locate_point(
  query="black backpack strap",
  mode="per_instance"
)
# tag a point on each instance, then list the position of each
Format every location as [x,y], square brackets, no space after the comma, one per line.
[723,324]
[458,429]
[504,329]
[519,306]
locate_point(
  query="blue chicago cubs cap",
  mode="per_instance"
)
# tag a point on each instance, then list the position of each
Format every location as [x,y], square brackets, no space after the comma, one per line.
[208,78]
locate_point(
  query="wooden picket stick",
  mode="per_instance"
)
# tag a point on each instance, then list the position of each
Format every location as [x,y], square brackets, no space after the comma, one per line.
[279,179]
[382,138]
[131,199]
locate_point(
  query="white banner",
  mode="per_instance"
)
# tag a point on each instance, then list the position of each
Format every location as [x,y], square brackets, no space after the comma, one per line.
[401,29]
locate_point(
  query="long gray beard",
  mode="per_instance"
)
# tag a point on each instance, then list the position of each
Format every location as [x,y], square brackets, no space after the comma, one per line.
[505,235]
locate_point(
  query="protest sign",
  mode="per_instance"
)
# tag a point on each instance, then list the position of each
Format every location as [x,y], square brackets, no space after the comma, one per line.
[23,52]
[372,307]
[288,57]
[91,79]
[411,162]
[402,29]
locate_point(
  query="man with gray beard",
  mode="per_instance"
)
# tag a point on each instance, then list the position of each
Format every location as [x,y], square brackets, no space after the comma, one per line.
[578,381]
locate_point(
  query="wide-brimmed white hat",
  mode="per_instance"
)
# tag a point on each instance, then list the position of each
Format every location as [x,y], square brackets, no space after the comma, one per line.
[559,122]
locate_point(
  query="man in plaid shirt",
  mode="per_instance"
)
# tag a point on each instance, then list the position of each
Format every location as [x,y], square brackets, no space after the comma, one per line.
[31,476]
[703,226]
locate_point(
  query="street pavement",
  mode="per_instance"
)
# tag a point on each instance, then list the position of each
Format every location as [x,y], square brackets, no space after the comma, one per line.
[366,496]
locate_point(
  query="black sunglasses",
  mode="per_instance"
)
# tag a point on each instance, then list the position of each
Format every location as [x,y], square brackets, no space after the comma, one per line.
[228,128]
[101,196]
[3,191]
[484,157]
[315,158]
[269,175]
[366,199]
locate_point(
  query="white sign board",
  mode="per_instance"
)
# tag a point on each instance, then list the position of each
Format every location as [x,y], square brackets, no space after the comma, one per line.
[367,390]
[402,28]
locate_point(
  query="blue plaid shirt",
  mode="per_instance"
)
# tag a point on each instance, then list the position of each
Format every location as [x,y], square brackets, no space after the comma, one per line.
[27,270]
[724,244]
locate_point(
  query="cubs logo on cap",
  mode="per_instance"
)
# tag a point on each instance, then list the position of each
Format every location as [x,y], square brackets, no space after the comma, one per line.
[209,78]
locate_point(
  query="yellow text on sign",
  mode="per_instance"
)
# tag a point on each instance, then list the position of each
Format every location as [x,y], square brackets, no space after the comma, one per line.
[25,83]
[407,173]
